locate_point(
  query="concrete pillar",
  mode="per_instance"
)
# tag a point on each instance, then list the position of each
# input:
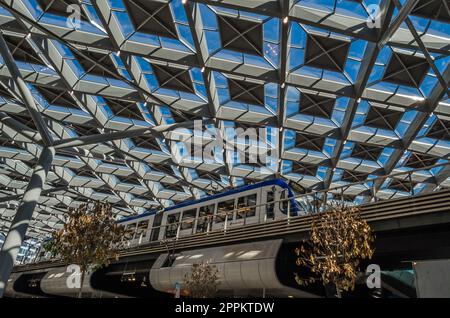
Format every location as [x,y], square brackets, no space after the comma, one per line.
[21,220]
[432,278]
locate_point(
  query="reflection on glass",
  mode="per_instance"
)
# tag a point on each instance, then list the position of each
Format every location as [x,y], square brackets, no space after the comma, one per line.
[246,206]
[129,231]
[284,204]
[269,208]
[188,219]
[224,208]
[141,229]
[172,226]
[204,217]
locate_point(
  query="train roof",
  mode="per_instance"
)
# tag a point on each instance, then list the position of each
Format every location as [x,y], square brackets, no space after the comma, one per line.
[278,182]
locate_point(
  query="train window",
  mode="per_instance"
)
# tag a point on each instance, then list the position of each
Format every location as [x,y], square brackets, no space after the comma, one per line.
[156,226]
[122,228]
[129,231]
[204,217]
[224,208]
[188,219]
[246,206]
[141,229]
[284,204]
[173,218]
[172,227]
[206,210]
[270,206]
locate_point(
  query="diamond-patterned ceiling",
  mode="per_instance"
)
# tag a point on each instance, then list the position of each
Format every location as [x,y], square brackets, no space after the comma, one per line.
[334,96]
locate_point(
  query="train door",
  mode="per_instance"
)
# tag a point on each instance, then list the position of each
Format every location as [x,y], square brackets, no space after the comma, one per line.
[246,210]
[156,228]
[170,229]
[284,205]
[268,210]
[141,233]
[224,214]
[187,222]
[130,228]
[205,218]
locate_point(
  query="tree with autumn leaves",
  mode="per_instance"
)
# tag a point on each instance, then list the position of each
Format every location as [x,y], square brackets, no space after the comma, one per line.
[339,240]
[90,238]
[202,281]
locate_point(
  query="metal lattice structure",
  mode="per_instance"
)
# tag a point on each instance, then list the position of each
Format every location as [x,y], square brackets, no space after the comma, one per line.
[341,91]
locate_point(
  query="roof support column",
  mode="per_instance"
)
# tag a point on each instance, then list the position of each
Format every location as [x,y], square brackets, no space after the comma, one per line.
[21,220]
[24,91]
[20,128]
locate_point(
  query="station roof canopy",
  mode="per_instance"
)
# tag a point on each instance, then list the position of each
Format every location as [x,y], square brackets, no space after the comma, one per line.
[221,94]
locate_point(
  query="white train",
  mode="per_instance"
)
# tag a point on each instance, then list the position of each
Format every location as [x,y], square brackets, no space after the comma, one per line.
[246,269]
[237,207]
[251,268]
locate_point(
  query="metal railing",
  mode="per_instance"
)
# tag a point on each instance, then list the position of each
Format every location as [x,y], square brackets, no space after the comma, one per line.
[416,207]
[312,202]
[307,203]
[203,224]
